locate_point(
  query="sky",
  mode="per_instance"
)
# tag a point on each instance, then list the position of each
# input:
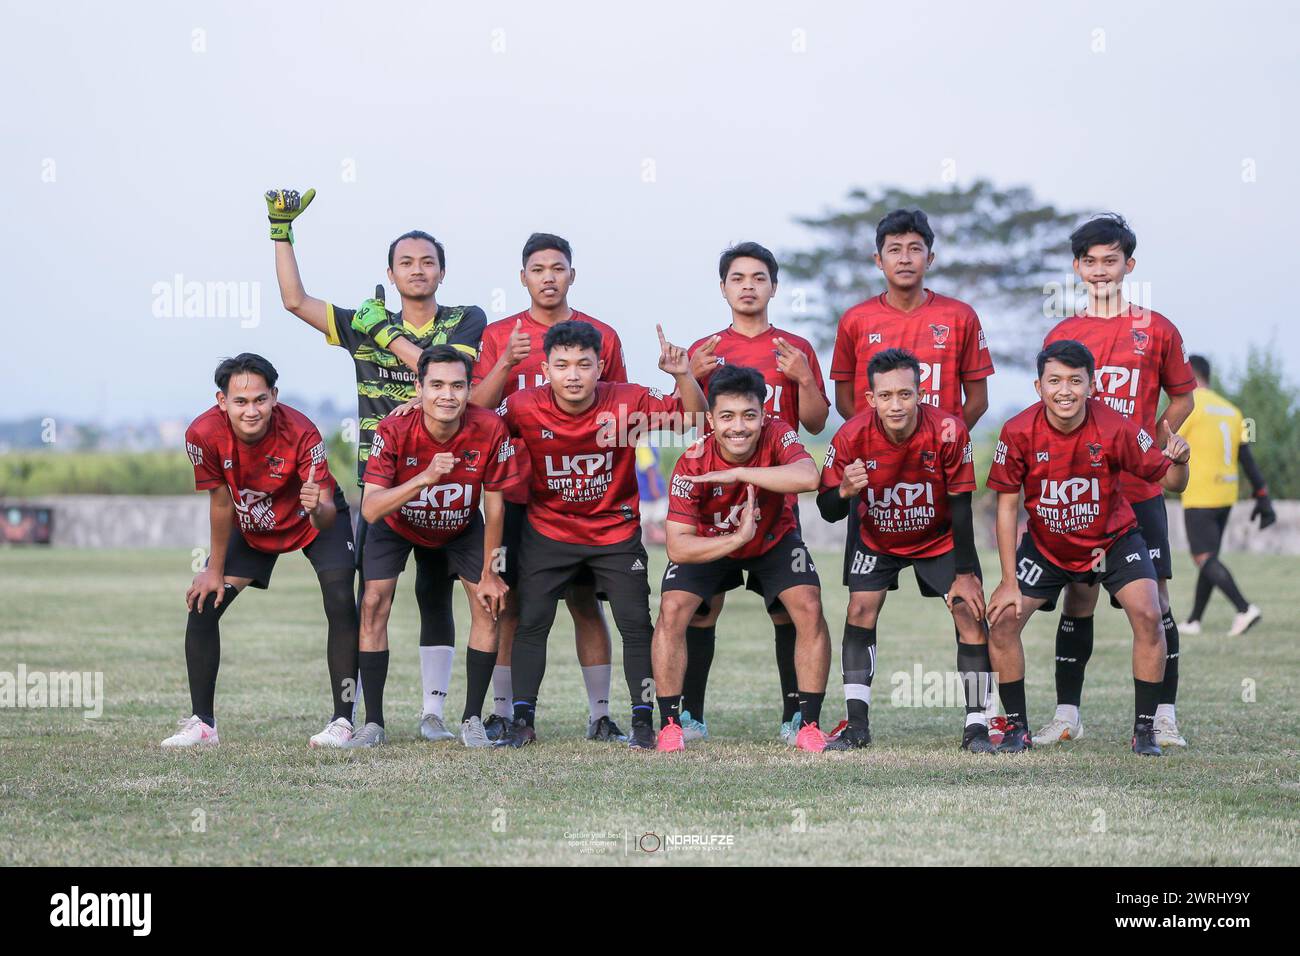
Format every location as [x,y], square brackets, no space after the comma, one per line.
[139,140]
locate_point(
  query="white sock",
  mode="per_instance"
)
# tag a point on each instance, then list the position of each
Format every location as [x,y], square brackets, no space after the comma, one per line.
[1165,710]
[860,692]
[977,718]
[992,708]
[597,680]
[502,692]
[1068,713]
[435,675]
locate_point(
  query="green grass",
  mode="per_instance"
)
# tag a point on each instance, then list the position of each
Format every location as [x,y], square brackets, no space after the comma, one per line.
[92,792]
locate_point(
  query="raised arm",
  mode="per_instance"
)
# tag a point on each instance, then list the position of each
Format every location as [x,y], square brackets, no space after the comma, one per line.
[283,206]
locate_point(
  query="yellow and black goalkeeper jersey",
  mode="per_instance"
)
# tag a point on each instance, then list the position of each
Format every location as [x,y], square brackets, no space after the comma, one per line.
[383,380]
[1213,429]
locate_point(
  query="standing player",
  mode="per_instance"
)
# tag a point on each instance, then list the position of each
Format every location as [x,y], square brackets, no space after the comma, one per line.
[260,463]
[511,359]
[584,507]
[1068,454]
[731,511]
[385,350]
[425,477]
[908,469]
[1214,430]
[795,394]
[1137,353]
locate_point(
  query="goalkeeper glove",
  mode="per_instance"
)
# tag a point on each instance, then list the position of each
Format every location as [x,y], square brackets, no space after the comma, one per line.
[373,320]
[1263,510]
[283,206]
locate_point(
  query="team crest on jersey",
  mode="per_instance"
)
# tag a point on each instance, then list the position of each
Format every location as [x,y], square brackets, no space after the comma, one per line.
[927,460]
[1140,340]
[874,338]
[470,456]
[1094,453]
[940,335]
[276,465]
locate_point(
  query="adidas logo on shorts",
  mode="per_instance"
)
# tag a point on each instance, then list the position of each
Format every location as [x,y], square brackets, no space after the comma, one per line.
[637,565]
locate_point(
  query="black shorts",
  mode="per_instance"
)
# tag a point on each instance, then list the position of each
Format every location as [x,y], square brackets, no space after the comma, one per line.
[1205,528]
[736,577]
[511,537]
[1127,559]
[874,571]
[785,565]
[330,550]
[1153,522]
[387,553]
[548,568]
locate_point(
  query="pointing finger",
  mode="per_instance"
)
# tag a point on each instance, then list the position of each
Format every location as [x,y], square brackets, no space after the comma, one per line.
[663,342]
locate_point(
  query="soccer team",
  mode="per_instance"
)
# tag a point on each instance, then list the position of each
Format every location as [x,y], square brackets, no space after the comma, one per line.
[504,454]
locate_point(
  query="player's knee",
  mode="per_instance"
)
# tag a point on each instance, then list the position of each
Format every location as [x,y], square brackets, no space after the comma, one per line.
[676,609]
[1146,622]
[1079,601]
[862,609]
[583,605]
[375,604]
[803,604]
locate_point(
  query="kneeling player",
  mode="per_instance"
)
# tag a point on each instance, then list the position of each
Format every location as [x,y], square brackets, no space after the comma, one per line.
[719,525]
[908,468]
[423,483]
[1067,454]
[259,462]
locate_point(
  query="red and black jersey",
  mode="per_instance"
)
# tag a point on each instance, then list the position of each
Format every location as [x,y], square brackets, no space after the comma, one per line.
[265,478]
[402,447]
[1072,481]
[903,510]
[760,353]
[1136,355]
[944,335]
[714,510]
[528,373]
[583,487]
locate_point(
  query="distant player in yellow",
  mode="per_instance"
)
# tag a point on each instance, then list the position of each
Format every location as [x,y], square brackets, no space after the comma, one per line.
[1214,430]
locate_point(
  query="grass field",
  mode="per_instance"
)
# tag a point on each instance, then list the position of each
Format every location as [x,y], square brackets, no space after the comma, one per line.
[78,791]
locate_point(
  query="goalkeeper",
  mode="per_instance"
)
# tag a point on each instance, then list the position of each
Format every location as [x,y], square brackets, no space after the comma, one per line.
[385,350]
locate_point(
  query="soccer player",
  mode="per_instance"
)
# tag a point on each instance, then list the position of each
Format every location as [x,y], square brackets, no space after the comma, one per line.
[731,511]
[1068,454]
[385,350]
[1137,353]
[584,507]
[511,359]
[425,477]
[908,469]
[795,393]
[1214,431]
[270,492]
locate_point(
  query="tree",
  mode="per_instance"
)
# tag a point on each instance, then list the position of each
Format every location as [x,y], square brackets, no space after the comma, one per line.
[1271,406]
[1001,250]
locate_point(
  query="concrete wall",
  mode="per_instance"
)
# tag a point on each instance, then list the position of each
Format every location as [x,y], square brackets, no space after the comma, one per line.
[181,521]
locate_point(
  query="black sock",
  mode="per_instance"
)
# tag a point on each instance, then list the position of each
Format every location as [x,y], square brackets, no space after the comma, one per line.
[858,658]
[670,707]
[1146,694]
[785,668]
[643,714]
[700,642]
[478,677]
[1222,579]
[1013,699]
[343,637]
[433,595]
[203,653]
[526,710]
[974,668]
[1204,590]
[374,674]
[1169,686]
[1073,648]
[810,707]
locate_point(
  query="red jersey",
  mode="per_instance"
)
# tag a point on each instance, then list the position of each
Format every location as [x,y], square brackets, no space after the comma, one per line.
[903,509]
[583,488]
[264,478]
[714,510]
[1071,482]
[1136,354]
[759,353]
[944,335]
[402,448]
[528,373]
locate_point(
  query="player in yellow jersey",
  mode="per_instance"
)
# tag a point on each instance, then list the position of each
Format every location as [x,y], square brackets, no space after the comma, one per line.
[1214,431]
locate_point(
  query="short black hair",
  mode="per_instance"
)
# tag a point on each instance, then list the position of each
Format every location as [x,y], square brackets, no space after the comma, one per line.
[573,333]
[1200,365]
[737,380]
[545,240]
[1069,353]
[245,363]
[443,354]
[1106,230]
[748,250]
[890,360]
[419,234]
[902,221]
